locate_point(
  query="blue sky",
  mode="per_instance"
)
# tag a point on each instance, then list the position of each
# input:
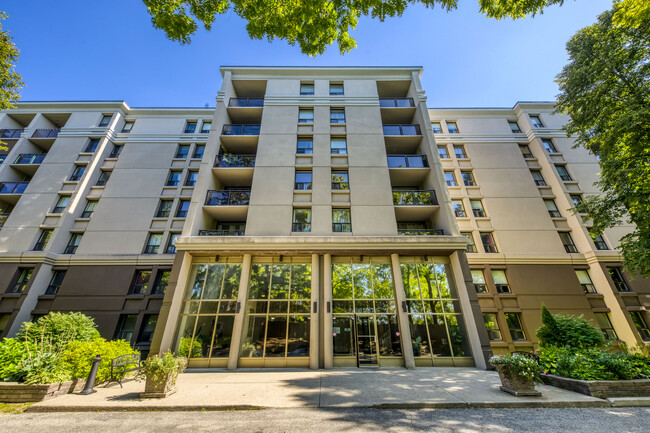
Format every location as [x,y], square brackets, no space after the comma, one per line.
[108,50]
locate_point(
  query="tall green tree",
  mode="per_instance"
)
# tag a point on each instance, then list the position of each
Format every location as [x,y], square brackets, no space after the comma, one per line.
[605,89]
[10,81]
[312,24]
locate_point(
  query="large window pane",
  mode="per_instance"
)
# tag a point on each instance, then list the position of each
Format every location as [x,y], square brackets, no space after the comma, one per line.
[458,336]
[253,345]
[388,335]
[260,279]
[382,281]
[231,282]
[410,281]
[212,288]
[280,281]
[202,337]
[342,281]
[342,330]
[427,274]
[298,338]
[184,336]
[301,282]
[222,337]
[276,336]
[198,278]
[362,281]
[439,339]
[446,289]
[419,337]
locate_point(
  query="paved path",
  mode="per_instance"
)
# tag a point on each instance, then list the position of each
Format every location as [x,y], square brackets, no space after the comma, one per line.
[377,388]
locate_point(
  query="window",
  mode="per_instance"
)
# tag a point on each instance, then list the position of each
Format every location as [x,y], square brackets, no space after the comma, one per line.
[548,145]
[190,127]
[116,151]
[191,178]
[61,204]
[500,281]
[437,129]
[514,126]
[206,126]
[301,220]
[618,279]
[576,199]
[599,241]
[468,178]
[341,221]
[89,209]
[174,178]
[73,244]
[514,324]
[306,89]
[55,282]
[171,244]
[337,115]
[103,178]
[450,178]
[340,180]
[479,281]
[336,89]
[489,244]
[492,326]
[153,243]
[303,180]
[538,178]
[43,238]
[477,208]
[305,145]
[606,326]
[459,209]
[128,126]
[338,146]
[525,151]
[164,208]
[147,329]
[585,281]
[161,283]
[552,208]
[640,324]
[537,123]
[199,150]
[459,151]
[442,152]
[23,279]
[92,145]
[125,327]
[563,172]
[452,127]
[182,151]
[306,115]
[471,246]
[77,173]
[183,207]
[567,241]
[140,283]
[106,119]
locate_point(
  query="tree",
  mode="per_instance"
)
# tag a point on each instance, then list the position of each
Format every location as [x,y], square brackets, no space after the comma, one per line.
[10,81]
[314,24]
[605,89]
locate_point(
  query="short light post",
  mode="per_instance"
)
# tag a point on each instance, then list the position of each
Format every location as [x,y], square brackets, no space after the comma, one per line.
[90,382]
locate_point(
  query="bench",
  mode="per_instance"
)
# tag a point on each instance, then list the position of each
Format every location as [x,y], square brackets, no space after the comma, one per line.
[122,365]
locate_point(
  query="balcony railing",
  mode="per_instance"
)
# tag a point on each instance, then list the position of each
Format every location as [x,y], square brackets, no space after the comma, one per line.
[230,197]
[540,182]
[240,130]
[30,158]
[3,218]
[301,227]
[246,102]
[46,133]
[407,161]
[10,133]
[221,232]
[13,187]
[341,227]
[230,160]
[414,198]
[396,102]
[402,130]
[420,232]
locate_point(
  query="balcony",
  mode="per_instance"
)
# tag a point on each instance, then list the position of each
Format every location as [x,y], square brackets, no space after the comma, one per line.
[402,130]
[234,170]
[397,110]
[245,110]
[420,232]
[10,134]
[221,232]
[228,205]
[246,102]
[28,162]
[10,192]
[405,170]
[3,219]
[240,138]
[46,133]
[401,138]
[415,205]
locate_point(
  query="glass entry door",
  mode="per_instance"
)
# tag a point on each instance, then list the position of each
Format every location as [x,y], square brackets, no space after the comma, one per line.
[366,341]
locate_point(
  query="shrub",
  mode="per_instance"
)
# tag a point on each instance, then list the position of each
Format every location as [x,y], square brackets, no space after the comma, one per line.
[527,368]
[12,352]
[78,356]
[58,329]
[158,367]
[562,330]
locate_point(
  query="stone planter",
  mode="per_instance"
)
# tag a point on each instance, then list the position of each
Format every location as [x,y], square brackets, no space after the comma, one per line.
[13,392]
[514,384]
[601,388]
[160,388]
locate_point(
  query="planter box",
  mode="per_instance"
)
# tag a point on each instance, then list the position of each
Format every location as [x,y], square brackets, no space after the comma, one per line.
[13,392]
[513,384]
[160,388]
[601,388]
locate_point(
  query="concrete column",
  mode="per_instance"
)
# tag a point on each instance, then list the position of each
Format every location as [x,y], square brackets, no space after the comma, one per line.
[468,316]
[328,342]
[176,303]
[313,326]
[402,317]
[238,328]
[37,284]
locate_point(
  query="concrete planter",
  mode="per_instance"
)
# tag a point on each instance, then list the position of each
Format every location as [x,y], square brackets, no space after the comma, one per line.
[160,388]
[601,388]
[514,384]
[13,392]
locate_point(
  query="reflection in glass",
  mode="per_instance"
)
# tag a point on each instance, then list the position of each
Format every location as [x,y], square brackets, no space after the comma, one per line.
[184,336]
[300,281]
[388,335]
[198,275]
[280,281]
[222,337]
[259,285]
[438,333]
[253,345]
[298,337]
[342,281]
[212,288]
[419,337]
[362,285]
[458,336]
[202,337]
[276,335]
[342,331]
[231,282]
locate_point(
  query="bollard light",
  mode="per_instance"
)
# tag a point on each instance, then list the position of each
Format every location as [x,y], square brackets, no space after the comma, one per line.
[90,382]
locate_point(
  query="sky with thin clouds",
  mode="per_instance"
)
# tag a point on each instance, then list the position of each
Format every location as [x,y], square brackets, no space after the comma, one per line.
[108,50]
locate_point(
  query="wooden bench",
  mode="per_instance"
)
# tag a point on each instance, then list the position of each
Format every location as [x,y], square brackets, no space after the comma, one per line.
[122,365]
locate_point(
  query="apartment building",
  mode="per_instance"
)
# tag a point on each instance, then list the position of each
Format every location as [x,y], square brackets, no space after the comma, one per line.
[328,219]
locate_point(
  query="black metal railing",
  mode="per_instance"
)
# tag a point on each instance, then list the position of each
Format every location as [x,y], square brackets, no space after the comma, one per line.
[414,198]
[396,102]
[231,160]
[30,158]
[13,187]
[407,161]
[540,182]
[341,227]
[221,232]
[301,227]
[229,197]
[570,248]
[3,218]
[46,133]
[10,133]
[420,232]
[402,130]
[240,130]
[246,102]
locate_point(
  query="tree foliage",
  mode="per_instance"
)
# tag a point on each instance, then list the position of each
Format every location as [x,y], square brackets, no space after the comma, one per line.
[312,24]
[10,80]
[561,330]
[605,89]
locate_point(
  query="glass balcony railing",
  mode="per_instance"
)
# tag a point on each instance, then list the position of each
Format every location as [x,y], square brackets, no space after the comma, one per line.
[415,198]
[13,187]
[46,133]
[229,197]
[407,161]
[246,102]
[3,218]
[402,130]
[240,130]
[221,232]
[420,232]
[230,160]
[10,133]
[396,102]
[30,158]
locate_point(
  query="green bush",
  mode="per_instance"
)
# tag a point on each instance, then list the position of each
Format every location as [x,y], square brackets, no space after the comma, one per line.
[12,352]
[78,356]
[58,329]
[158,367]
[562,330]
[527,368]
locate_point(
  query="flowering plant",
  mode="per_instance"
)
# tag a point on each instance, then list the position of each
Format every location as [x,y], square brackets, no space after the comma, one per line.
[526,368]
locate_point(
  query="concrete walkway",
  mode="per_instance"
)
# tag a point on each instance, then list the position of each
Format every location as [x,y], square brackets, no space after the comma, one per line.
[301,388]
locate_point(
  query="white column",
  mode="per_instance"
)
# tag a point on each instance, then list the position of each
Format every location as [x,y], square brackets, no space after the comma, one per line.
[328,342]
[402,317]
[313,326]
[238,327]
[176,303]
